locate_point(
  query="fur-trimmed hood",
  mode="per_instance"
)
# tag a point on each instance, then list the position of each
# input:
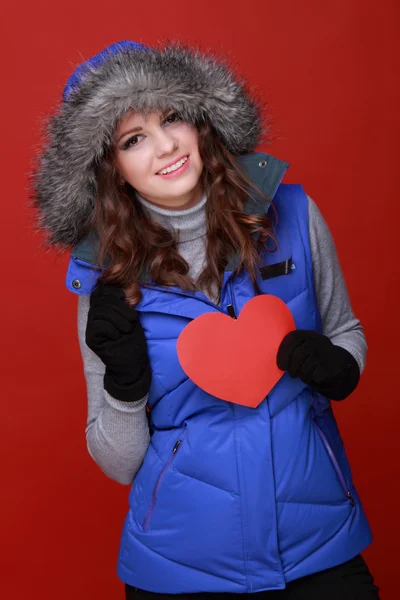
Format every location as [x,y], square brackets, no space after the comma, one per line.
[196,84]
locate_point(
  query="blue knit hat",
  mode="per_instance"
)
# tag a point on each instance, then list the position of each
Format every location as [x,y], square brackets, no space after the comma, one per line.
[77,76]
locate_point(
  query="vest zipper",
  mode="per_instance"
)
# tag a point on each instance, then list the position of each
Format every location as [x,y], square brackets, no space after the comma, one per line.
[231,311]
[335,464]
[150,510]
[231,307]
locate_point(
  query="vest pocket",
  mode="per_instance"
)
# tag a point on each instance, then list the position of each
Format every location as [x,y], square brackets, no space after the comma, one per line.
[335,463]
[150,510]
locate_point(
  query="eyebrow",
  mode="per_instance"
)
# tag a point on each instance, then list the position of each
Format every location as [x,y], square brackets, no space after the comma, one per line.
[164,113]
[134,130]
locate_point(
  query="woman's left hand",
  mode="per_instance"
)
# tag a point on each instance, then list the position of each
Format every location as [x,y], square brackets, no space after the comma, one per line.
[311,356]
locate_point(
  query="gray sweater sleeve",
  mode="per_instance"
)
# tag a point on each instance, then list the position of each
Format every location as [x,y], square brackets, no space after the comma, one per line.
[338,320]
[117,433]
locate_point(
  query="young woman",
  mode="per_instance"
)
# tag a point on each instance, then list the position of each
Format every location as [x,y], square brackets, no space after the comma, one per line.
[149,176]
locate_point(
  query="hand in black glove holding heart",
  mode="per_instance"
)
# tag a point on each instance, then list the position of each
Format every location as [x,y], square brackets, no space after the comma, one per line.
[115,334]
[311,356]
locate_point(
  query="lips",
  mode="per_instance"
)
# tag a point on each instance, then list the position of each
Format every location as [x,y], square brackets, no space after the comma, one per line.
[172,163]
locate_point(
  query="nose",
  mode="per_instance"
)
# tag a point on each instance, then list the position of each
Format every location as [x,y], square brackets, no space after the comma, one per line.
[165,143]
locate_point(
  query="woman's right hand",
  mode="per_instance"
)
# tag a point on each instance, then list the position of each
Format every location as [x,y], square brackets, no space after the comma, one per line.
[115,334]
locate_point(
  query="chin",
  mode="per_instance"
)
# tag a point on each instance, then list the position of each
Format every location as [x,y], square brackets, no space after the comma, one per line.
[177,188]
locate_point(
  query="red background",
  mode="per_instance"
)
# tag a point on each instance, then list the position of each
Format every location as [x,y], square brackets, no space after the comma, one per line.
[328,71]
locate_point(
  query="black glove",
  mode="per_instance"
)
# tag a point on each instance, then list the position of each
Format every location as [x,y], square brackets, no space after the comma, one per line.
[329,369]
[114,333]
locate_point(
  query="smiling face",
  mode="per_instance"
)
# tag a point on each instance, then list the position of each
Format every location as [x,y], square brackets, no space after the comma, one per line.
[158,156]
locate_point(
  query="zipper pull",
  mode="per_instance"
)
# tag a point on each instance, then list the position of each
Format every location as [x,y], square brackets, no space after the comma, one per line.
[231,311]
[175,448]
[350,497]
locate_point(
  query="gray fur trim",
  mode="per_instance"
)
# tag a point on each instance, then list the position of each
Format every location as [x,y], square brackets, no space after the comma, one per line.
[195,83]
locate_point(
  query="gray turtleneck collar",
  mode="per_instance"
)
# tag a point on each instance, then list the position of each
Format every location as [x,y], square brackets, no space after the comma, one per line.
[189,224]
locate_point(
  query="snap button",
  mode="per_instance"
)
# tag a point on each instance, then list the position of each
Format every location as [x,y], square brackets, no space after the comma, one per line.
[262,164]
[76,284]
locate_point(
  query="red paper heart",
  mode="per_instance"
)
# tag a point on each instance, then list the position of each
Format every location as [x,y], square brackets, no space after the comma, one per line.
[235,359]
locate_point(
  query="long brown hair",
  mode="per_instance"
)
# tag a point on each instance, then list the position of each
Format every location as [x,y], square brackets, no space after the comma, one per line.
[134,244]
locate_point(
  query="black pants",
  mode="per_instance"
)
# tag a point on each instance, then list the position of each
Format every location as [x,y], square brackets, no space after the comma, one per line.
[349,581]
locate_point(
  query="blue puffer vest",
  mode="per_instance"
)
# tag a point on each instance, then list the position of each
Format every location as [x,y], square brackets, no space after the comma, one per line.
[231,498]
